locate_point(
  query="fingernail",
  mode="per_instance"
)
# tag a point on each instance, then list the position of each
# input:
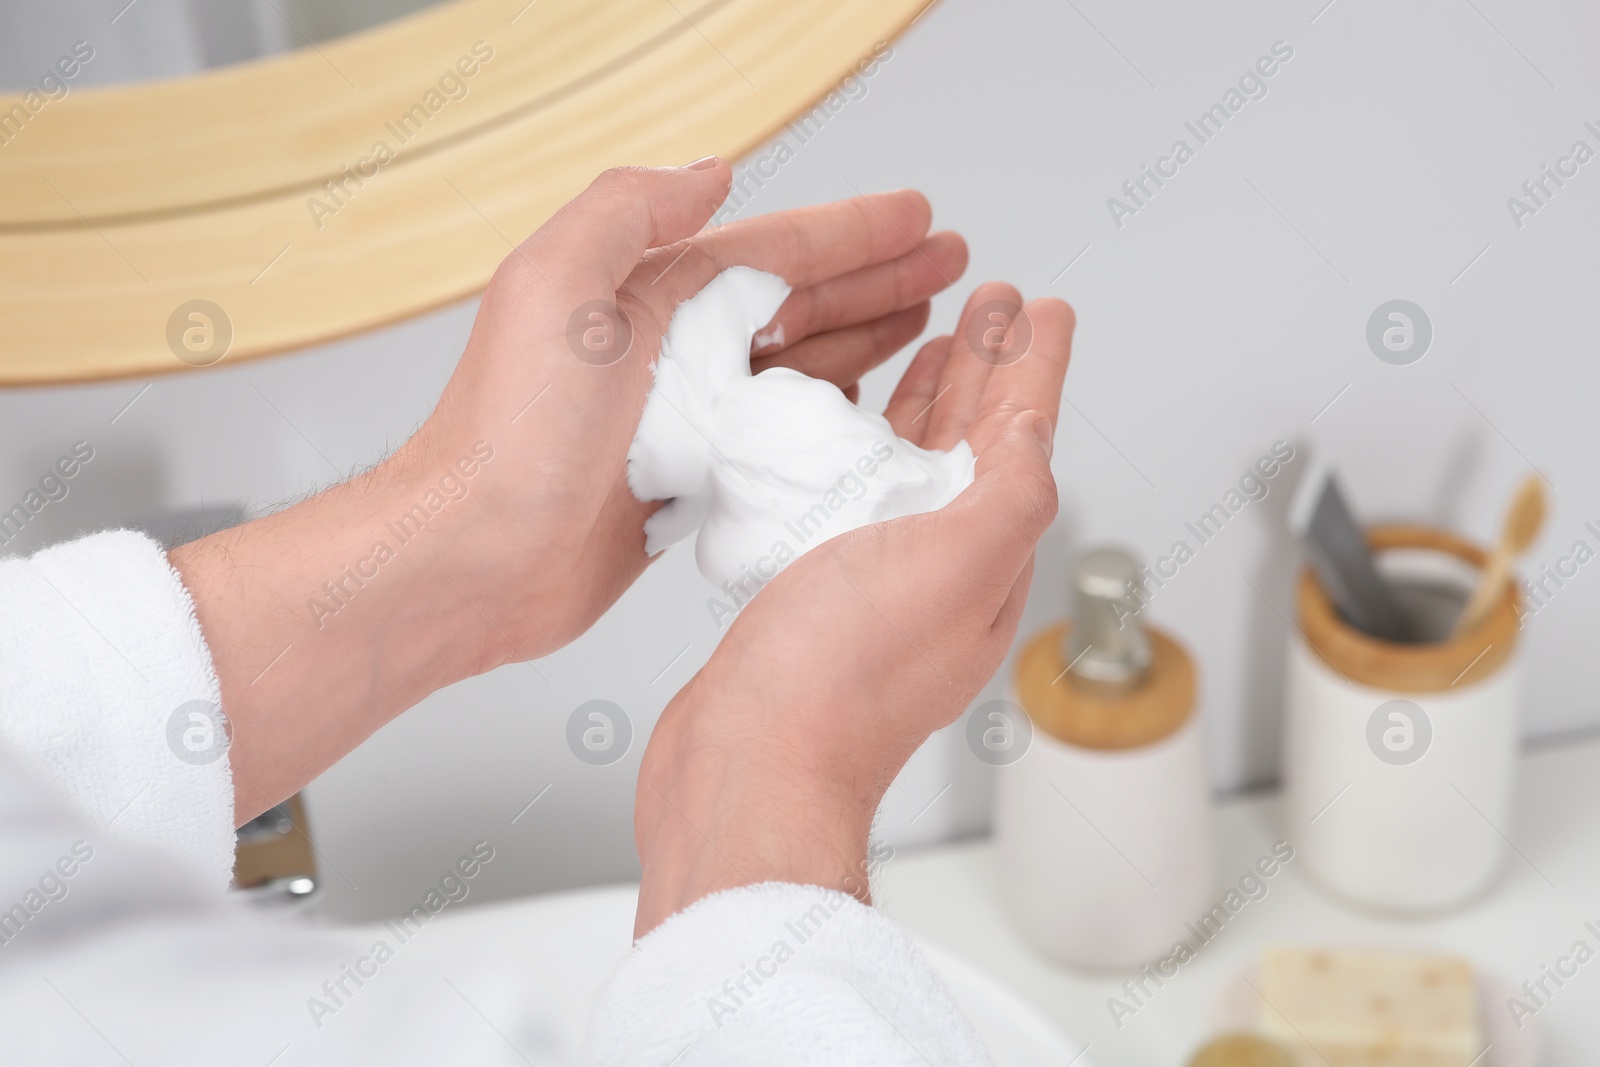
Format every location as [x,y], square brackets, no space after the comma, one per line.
[1046,435]
[703,163]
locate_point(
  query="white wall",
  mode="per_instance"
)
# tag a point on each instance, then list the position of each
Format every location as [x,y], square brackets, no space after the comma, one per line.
[1222,317]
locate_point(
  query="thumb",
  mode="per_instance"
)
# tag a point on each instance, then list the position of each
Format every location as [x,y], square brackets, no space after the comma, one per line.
[1000,517]
[596,239]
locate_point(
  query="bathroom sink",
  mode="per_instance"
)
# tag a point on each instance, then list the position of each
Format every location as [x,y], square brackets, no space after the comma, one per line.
[573,940]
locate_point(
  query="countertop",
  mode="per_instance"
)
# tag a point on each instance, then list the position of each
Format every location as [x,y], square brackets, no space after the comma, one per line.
[948,898]
[1530,917]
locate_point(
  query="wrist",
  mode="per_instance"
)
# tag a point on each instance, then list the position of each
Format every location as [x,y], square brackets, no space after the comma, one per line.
[426,524]
[512,554]
[324,621]
[722,804]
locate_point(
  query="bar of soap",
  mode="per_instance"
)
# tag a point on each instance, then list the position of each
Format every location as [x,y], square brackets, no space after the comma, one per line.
[1365,1009]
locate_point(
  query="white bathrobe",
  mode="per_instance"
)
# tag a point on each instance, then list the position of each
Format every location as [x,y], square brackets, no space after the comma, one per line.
[118,944]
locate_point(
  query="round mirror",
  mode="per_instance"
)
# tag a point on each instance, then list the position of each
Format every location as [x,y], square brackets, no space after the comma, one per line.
[185,183]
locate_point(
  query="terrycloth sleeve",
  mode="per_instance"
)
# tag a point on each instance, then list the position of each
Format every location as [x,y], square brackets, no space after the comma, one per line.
[781,975]
[107,692]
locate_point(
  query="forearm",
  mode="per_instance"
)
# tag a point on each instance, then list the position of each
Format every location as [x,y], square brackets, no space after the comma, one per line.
[331,617]
[753,831]
[694,851]
[713,813]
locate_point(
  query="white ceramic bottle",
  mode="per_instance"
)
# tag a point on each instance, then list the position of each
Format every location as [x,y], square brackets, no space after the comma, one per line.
[1104,826]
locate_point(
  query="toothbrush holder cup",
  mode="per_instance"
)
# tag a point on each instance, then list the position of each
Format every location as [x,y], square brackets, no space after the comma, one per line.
[1400,759]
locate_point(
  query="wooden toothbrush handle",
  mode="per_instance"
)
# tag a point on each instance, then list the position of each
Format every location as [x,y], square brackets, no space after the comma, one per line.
[1495,573]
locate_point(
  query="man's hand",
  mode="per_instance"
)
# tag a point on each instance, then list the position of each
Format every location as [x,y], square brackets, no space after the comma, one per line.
[555,536]
[770,763]
[505,527]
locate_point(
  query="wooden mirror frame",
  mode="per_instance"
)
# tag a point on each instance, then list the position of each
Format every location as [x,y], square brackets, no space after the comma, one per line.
[124,209]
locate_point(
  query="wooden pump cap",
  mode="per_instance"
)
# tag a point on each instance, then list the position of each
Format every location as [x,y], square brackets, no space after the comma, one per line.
[1070,712]
[1420,668]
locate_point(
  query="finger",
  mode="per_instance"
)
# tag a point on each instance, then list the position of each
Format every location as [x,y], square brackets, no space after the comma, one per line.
[999,518]
[866,294]
[974,350]
[843,356]
[803,246]
[809,244]
[918,390]
[1033,381]
[595,241]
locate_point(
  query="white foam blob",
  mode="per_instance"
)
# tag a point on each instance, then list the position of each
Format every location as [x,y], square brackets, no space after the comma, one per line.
[766,466]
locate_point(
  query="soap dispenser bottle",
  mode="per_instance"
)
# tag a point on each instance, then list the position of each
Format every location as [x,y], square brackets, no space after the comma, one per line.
[1104,826]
